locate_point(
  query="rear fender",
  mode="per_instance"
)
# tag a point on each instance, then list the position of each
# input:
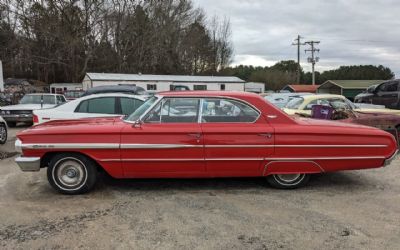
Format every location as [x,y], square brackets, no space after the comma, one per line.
[292,167]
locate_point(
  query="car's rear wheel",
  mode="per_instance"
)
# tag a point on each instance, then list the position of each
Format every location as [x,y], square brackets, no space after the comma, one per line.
[288,181]
[71,173]
[3,133]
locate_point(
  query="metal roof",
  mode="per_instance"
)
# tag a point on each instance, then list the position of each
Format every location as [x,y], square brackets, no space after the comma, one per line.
[302,87]
[163,78]
[353,84]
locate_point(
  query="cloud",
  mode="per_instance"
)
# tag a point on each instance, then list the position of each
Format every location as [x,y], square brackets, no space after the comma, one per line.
[351,31]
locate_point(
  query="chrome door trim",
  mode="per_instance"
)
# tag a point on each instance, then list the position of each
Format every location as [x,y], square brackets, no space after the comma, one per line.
[158,146]
[71,146]
[323,158]
[332,146]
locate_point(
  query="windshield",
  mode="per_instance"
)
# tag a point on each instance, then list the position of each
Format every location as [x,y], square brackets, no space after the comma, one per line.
[295,103]
[142,109]
[37,99]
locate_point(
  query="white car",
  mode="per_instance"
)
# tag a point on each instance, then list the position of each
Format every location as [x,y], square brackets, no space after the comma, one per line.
[22,112]
[99,105]
[3,131]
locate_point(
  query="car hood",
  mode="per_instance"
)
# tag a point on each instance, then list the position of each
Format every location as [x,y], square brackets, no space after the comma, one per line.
[27,107]
[86,126]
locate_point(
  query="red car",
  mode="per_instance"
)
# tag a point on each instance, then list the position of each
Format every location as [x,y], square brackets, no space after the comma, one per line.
[196,134]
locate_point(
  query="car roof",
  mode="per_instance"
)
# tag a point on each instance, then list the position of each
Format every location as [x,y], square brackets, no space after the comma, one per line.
[321,96]
[209,93]
[140,97]
[113,89]
[41,94]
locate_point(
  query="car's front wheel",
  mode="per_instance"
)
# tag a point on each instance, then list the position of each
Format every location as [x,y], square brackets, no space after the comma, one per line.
[3,133]
[71,173]
[288,181]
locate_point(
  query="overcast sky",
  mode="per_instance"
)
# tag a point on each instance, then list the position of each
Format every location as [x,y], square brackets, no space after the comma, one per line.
[351,31]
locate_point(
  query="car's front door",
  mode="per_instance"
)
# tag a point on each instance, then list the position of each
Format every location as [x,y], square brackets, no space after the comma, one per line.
[167,143]
[236,137]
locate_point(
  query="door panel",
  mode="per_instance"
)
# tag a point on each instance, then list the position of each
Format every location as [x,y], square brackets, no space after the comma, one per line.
[236,149]
[161,149]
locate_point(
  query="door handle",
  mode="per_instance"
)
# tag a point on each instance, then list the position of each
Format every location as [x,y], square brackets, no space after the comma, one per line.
[266,135]
[195,135]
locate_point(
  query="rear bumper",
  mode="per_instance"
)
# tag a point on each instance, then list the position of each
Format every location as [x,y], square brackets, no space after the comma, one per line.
[18,118]
[28,164]
[391,158]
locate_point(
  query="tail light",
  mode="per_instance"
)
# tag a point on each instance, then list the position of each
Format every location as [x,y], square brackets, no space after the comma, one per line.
[35,119]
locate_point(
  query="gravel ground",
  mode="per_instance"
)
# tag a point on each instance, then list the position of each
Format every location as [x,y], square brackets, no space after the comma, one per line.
[355,209]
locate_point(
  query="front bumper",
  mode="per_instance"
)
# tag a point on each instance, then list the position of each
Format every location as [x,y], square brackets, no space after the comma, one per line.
[28,164]
[391,158]
[18,118]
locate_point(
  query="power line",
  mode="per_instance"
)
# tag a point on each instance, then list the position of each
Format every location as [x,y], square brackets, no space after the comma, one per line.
[312,59]
[298,44]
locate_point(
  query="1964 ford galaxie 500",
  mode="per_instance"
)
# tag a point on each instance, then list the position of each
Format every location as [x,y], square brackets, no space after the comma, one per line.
[200,134]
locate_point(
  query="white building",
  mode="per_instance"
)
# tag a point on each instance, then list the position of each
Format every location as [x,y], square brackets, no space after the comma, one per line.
[60,88]
[255,87]
[1,77]
[164,82]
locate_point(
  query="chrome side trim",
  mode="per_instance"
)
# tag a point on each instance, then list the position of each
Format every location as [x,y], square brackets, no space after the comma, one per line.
[234,159]
[28,164]
[324,158]
[184,159]
[239,146]
[332,146]
[71,146]
[157,146]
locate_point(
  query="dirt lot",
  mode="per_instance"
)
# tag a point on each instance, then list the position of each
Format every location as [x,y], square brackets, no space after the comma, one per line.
[358,210]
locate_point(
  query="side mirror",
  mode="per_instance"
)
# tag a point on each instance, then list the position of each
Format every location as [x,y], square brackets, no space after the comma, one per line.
[137,124]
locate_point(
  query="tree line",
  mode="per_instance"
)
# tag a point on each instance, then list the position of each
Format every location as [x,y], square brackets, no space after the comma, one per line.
[61,40]
[285,72]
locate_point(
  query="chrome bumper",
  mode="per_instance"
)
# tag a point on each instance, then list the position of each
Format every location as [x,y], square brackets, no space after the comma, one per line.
[28,164]
[391,158]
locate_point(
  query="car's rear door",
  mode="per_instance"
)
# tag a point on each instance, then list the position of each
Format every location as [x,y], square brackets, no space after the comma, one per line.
[168,143]
[236,137]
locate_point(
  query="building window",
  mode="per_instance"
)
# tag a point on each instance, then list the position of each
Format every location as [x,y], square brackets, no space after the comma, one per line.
[222,86]
[151,86]
[200,87]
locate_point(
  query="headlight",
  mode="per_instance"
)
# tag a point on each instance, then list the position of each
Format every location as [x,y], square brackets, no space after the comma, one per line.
[18,146]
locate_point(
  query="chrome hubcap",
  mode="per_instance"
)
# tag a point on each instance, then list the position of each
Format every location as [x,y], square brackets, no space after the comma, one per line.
[70,173]
[289,177]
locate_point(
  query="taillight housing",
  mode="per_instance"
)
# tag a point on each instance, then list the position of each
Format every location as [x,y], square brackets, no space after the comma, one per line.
[35,119]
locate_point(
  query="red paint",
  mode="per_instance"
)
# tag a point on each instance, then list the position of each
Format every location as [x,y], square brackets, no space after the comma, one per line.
[266,144]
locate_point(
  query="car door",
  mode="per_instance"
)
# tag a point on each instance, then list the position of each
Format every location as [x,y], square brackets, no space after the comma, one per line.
[387,94]
[167,143]
[236,137]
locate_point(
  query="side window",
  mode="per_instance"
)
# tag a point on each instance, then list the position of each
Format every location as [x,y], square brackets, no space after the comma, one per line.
[104,105]
[316,102]
[151,87]
[200,87]
[129,105]
[175,110]
[392,87]
[82,107]
[226,110]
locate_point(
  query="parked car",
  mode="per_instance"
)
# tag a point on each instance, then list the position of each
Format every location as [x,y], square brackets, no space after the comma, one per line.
[303,105]
[386,93]
[22,112]
[365,95]
[100,105]
[126,89]
[281,99]
[208,134]
[3,131]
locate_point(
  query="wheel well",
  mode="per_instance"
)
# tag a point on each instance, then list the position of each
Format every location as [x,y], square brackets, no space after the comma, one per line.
[46,158]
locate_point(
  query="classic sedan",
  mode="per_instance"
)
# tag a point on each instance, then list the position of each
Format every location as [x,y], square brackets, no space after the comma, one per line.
[200,134]
[303,104]
[99,105]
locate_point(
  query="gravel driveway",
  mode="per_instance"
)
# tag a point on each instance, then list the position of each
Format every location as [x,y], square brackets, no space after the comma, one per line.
[355,209]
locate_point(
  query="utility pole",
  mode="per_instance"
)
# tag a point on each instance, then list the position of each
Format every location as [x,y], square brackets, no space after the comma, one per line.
[312,59]
[298,44]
